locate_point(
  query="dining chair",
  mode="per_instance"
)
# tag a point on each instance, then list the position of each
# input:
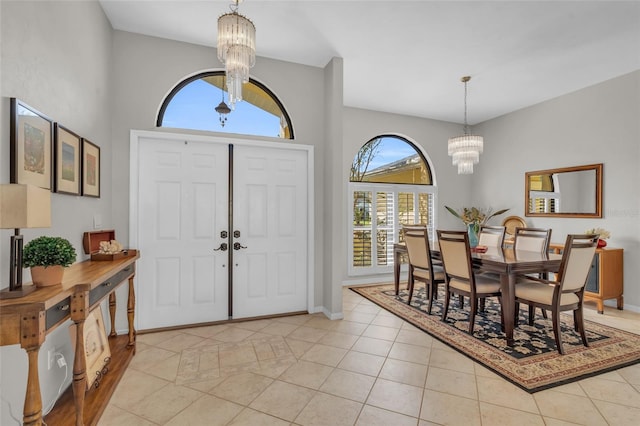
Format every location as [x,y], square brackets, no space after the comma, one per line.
[532,239]
[565,293]
[460,278]
[491,236]
[421,266]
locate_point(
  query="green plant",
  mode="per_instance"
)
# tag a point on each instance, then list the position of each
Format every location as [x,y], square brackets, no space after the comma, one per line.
[474,215]
[48,251]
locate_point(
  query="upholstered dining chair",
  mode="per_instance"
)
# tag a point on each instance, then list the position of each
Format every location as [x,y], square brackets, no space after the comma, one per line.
[566,293]
[421,266]
[460,278]
[491,236]
[532,239]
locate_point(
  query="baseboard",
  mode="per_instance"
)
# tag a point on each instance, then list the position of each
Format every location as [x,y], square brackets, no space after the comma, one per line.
[333,316]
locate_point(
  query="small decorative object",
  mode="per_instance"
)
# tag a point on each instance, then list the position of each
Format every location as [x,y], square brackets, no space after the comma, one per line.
[110,247]
[603,234]
[474,217]
[90,169]
[47,257]
[97,353]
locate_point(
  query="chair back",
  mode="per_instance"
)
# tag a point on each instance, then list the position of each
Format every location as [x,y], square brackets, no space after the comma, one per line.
[491,236]
[416,239]
[532,239]
[576,261]
[456,254]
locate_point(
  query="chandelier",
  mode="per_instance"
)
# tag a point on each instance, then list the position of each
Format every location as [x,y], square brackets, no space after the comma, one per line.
[465,150]
[236,50]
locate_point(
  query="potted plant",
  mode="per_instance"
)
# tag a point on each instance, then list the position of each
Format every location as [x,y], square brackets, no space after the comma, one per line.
[47,257]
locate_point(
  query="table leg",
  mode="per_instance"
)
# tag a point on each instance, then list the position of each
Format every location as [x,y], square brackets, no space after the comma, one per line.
[396,270]
[32,330]
[112,313]
[507,285]
[79,312]
[131,303]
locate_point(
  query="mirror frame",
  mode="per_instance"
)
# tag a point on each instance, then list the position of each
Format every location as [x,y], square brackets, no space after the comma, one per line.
[598,206]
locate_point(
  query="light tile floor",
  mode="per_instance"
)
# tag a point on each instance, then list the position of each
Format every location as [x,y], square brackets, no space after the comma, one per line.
[369,369]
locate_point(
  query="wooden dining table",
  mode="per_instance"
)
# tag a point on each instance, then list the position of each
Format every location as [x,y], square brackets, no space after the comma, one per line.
[506,262]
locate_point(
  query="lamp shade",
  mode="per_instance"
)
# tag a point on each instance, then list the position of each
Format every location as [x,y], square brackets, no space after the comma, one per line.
[24,206]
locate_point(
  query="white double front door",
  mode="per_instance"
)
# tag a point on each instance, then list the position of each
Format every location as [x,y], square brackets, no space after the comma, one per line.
[223,228]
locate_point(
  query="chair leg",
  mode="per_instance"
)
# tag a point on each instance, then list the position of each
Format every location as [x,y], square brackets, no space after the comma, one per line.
[482,305]
[501,314]
[445,308]
[410,290]
[472,313]
[432,289]
[532,314]
[578,320]
[516,314]
[461,301]
[555,316]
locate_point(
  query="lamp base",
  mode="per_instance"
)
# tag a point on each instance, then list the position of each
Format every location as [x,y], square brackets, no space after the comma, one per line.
[5,293]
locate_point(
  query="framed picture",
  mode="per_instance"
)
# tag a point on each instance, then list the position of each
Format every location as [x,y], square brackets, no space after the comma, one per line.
[97,353]
[66,160]
[90,169]
[31,146]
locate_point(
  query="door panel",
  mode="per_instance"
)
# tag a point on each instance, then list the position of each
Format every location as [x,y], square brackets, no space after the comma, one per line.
[182,209]
[270,211]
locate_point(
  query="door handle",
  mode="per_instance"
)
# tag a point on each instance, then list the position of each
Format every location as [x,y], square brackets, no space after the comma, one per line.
[238,246]
[222,247]
[224,234]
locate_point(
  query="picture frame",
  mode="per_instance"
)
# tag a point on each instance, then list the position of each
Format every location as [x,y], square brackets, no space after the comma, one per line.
[68,146]
[90,169]
[97,353]
[31,145]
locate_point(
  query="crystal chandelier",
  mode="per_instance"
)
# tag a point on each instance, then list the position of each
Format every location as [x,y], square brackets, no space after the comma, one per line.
[465,150]
[236,50]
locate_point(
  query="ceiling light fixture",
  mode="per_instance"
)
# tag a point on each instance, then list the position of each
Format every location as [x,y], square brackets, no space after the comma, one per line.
[236,50]
[222,108]
[465,150]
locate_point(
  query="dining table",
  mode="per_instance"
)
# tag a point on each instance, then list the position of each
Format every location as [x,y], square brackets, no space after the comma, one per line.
[508,263]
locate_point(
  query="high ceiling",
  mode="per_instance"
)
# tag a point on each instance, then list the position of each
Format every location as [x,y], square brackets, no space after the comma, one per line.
[407,57]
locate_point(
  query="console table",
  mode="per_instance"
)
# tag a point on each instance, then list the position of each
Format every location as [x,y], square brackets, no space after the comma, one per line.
[28,320]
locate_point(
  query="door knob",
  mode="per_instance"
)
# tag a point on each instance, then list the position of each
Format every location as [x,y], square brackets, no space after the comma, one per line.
[238,246]
[222,247]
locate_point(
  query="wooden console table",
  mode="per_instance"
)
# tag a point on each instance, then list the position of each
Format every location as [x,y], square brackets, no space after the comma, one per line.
[28,320]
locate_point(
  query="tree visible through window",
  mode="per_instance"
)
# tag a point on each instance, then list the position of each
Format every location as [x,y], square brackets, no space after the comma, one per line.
[391,185]
[191,105]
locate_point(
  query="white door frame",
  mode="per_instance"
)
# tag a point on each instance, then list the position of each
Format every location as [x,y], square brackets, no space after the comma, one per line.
[134,159]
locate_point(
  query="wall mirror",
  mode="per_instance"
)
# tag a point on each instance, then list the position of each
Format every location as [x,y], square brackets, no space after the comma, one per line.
[565,192]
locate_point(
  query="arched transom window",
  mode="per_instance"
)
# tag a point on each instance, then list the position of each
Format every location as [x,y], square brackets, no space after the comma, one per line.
[192,105]
[390,185]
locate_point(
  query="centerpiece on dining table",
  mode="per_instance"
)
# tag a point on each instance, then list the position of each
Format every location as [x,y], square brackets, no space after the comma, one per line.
[473,218]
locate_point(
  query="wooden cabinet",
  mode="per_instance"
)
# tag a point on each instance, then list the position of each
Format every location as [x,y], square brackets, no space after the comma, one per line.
[605,280]
[28,320]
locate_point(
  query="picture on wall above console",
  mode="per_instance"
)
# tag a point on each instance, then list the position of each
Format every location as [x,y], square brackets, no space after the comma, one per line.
[31,146]
[90,169]
[66,160]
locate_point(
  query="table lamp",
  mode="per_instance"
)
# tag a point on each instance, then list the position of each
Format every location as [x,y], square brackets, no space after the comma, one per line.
[21,206]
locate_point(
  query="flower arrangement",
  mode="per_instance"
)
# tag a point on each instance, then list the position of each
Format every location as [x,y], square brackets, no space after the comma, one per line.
[475,216]
[603,234]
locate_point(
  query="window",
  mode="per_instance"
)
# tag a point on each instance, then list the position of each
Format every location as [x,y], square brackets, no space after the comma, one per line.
[391,185]
[191,105]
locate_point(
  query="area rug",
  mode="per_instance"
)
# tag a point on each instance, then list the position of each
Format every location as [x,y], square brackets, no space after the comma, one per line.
[533,363]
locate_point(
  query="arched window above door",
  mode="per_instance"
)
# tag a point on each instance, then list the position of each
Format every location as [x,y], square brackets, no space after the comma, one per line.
[191,105]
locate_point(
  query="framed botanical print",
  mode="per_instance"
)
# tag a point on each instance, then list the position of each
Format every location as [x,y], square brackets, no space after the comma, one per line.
[90,169]
[31,146]
[66,160]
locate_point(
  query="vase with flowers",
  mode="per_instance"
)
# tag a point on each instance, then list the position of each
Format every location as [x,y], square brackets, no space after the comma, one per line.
[603,234]
[473,218]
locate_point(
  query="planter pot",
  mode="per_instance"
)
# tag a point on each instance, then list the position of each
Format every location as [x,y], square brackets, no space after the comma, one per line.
[43,276]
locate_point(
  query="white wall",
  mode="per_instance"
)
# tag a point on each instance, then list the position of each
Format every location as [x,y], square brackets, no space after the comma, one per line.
[598,124]
[55,57]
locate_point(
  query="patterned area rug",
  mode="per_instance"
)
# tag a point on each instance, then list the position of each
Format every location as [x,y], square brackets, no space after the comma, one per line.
[533,363]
